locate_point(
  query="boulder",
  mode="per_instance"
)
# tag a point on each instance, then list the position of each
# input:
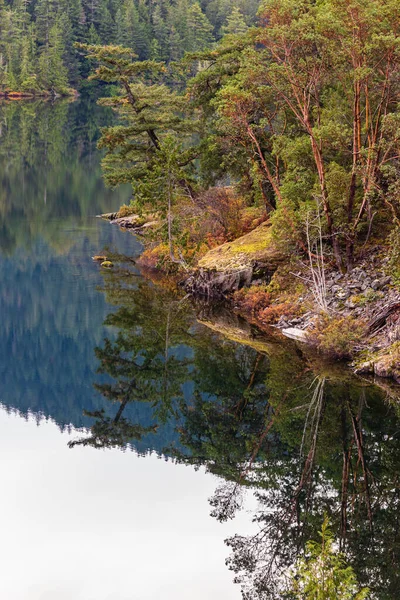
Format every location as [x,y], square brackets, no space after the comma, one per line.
[294,333]
[128,222]
[236,264]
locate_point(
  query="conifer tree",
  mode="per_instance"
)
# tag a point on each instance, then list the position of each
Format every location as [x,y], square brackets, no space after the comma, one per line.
[322,574]
[149,111]
[159,29]
[52,71]
[27,76]
[235,23]
[199,29]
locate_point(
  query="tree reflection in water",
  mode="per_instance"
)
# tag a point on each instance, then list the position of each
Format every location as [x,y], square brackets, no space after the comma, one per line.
[304,439]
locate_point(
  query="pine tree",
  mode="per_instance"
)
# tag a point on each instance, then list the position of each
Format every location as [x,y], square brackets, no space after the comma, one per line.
[73,30]
[45,12]
[105,23]
[4,40]
[323,573]
[199,30]
[149,112]
[131,31]
[235,23]
[92,36]
[175,44]
[52,71]
[160,30]
[27,77]
[178,19]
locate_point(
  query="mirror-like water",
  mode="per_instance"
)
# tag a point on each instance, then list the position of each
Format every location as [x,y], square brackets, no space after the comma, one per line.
[111,360]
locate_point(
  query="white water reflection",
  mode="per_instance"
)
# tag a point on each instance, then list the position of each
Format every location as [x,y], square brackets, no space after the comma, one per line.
[84,524]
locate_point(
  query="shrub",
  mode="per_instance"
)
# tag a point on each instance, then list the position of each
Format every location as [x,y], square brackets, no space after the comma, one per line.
[224,208]
[157,258]
[273,313]
[125,211]
[252,300]
[337,336]
[257,302]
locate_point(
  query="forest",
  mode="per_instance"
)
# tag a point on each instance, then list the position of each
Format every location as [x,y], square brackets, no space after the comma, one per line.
[266,168]
[37,52]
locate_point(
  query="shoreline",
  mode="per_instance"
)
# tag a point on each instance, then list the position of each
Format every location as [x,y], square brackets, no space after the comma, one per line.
[365,301]
[15,95]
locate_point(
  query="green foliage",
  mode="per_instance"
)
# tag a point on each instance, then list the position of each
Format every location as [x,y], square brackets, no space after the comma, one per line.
[323,573]
[51,70]
[149,111]
[37,38]
[302,113]
[235,23]
[337,336]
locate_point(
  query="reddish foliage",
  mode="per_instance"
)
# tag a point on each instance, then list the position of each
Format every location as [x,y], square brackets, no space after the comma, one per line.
[252,300]
[273,313]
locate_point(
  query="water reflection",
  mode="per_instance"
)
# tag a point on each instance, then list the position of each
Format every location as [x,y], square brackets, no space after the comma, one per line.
[50,174]
[304,439]
[178,379]
[51,312]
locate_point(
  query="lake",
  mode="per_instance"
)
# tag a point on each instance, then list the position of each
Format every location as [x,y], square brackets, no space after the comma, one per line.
[129,412]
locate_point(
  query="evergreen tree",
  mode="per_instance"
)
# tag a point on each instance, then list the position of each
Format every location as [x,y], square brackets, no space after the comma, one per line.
[175,45]
[45,12]
[27,76]
[323,573]
[53,74]
[199,30]
[159,29]
[235,23]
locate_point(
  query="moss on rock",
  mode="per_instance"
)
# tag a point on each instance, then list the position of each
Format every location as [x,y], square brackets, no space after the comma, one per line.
[254,247]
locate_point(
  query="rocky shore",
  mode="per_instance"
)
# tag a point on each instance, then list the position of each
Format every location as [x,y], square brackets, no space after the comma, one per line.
[367,296]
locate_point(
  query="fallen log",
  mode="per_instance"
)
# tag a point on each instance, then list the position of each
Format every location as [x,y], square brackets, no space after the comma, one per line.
[379,320]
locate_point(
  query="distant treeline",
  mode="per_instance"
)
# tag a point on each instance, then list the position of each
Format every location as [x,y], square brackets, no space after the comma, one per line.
[37,53]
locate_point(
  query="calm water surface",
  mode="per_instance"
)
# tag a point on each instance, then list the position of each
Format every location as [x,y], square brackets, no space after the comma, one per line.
[128,413]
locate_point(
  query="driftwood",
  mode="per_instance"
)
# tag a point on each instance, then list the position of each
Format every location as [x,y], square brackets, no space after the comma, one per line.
[381,317]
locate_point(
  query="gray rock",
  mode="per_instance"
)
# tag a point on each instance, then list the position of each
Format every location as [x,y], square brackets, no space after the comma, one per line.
[376,284]
[382,369]
[215,284]
[295,334]
[295,321]
[342,294]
